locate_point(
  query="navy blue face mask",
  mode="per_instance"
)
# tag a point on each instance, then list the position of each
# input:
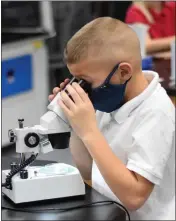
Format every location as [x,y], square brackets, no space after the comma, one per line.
[108,97]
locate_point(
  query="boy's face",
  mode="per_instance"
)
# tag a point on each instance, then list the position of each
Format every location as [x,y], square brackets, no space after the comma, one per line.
[89,71]
[95,72]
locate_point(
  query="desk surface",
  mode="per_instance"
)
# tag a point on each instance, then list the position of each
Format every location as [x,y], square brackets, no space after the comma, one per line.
[103,212]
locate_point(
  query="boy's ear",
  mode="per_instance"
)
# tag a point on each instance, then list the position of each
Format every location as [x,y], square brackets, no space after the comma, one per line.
[124,72]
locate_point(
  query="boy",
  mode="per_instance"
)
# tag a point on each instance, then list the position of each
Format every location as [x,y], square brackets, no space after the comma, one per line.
[127,147]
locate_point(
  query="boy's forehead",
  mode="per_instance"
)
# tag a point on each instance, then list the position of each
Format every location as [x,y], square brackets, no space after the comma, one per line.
[83,68]
[87,66]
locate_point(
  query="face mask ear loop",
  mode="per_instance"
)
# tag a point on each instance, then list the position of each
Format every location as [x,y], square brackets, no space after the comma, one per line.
[127,80]
[110,75]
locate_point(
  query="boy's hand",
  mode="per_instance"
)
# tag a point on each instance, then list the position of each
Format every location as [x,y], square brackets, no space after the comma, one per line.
[56,90]
[79,111]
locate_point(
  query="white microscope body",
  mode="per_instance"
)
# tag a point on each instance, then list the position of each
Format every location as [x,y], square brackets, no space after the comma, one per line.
[45,182]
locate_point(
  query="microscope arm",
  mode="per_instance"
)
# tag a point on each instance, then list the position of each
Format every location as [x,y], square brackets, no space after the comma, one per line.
[50,123]
[35,139]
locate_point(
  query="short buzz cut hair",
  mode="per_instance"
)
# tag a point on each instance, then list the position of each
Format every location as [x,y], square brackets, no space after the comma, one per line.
[89,38]
[101,37]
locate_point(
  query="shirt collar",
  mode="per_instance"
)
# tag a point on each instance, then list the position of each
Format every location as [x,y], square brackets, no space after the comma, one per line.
[124,112]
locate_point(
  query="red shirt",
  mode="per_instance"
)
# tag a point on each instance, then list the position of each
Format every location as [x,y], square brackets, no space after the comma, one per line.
[164,22]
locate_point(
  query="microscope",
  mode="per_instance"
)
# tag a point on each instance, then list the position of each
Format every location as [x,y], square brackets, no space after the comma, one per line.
[26,183]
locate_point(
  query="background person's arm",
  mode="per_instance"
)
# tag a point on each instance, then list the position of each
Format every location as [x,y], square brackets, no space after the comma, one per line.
[166,55]
[81,157]
[158,45]
[138,14]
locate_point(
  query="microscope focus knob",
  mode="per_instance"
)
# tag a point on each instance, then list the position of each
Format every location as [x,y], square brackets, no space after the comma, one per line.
[23,174]
[12,136]
[32,140]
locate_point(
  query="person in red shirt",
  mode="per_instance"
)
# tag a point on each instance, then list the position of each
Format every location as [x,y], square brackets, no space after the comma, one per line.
[160,17]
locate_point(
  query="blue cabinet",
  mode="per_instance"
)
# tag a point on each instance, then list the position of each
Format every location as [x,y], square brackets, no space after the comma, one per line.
[16,75]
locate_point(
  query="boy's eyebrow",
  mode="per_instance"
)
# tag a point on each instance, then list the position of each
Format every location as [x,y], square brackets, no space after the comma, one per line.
[82,77]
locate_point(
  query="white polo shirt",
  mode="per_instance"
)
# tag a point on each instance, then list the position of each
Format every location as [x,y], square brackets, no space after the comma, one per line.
[142,135]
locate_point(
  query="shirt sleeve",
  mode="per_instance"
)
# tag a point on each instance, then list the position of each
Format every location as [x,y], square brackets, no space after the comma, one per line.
[134,15]
[153,143]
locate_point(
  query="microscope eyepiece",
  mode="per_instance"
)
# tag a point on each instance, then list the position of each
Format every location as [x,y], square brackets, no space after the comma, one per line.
[84,84]
[20,122]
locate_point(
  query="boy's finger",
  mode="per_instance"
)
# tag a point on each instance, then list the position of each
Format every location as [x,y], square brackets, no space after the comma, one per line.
[62,85]
[50,97]
[66,80]
[56,90]
[80,91]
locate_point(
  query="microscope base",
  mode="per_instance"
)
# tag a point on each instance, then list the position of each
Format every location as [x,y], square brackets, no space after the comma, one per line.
[45,183]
